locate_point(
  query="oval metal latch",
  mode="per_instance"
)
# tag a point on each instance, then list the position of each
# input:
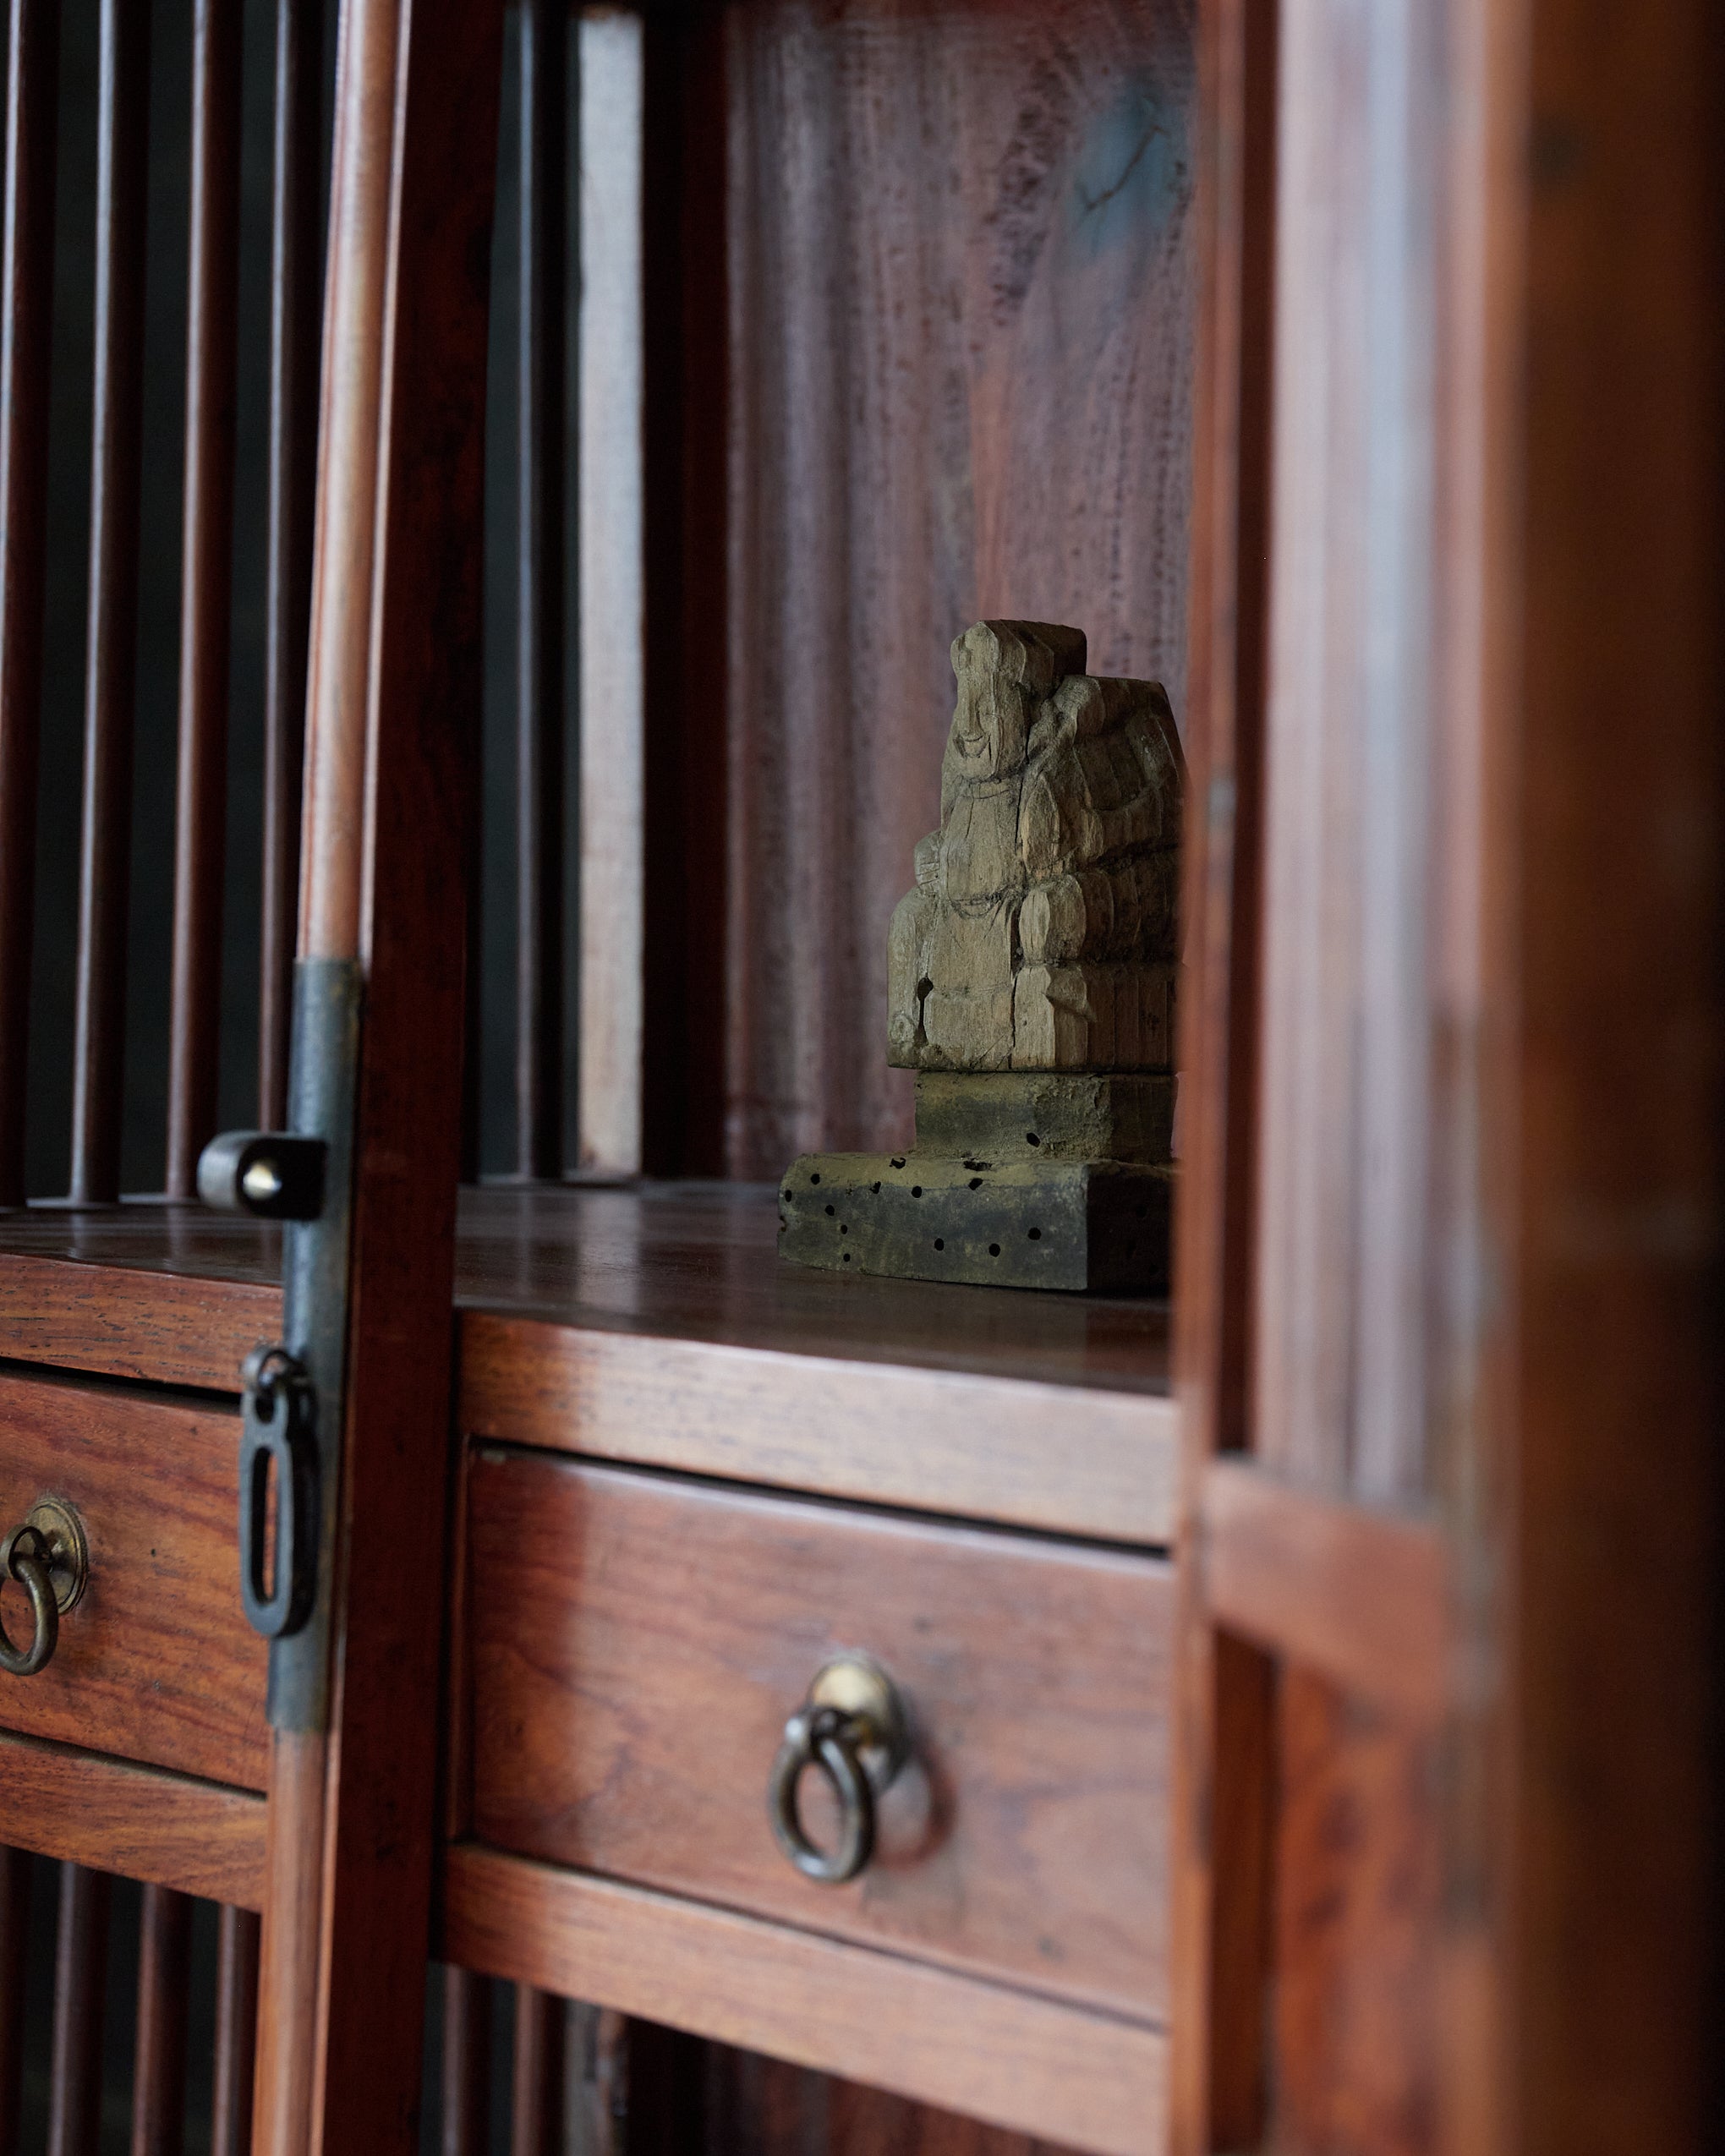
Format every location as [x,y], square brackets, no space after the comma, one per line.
[278,1431]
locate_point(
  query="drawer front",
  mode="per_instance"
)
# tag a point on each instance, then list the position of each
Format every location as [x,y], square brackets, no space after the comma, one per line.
[634,1644]
[156,1662]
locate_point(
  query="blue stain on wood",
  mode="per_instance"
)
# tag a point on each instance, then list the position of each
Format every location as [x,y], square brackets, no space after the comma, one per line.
[1132,178]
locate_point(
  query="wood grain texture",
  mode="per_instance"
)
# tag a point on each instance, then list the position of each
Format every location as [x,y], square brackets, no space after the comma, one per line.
[159,2052]
[110,686]
[81,1981]
[1357,1873]
[763,2107]
[958,288]
[1019,2061]
[156,1663]
[655,1324]
[387,870]
[206,585]
[1362,1598]
[27,308]
[199,1837]
[630,1689]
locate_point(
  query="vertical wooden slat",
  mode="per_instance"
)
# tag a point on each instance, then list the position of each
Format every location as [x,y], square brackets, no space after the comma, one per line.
[159,2067]
[466,2063]
[537,2110]
[81,1974]
[106,838]
[205,590]
[613,590]
[15,1962]
[295,316]
[236,2032]
[538,671]
[26,293]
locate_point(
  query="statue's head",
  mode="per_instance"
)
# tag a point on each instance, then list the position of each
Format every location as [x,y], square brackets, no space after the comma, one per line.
[1004,670]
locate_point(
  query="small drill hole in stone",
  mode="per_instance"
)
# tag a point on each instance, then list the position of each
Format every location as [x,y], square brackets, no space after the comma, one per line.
[875,1187]
[1036,1234]
[843,1230]
[940,1242]
[847,1257]
[787,1197]
[915,1190]
[814,1179]
[898,1160]
[993,1249]
[829,1213]
[1032,1139]
[976,1182]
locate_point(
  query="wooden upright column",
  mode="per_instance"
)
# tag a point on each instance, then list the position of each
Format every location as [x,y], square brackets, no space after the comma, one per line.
[391,751]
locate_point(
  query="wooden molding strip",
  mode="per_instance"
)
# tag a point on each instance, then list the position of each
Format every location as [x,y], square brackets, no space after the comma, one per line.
[1079,2079]
[156,1328]
[1359,1596]
[938,1441]
[1063,1459]
[167,1829]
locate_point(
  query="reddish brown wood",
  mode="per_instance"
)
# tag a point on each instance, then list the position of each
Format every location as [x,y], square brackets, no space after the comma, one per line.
[394,691]
[26,277]
[1221,1728]
[1030,2063]
[199,1837]
[80,1978]
[1362,1598]
[296,257]
[110,692]
[765,2108]
[1613,1541]
[159,2066]
[1025,1841]
[540,451]
[958,374]
[466,2124]
[16,1962]
[156,1663]
[205,590]
[160,1327]
[236,2032]
[536,2112]
[1358,1873]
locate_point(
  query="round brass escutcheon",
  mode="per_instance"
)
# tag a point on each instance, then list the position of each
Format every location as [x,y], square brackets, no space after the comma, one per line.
[49,1558]
[67,1549]
[853,1728]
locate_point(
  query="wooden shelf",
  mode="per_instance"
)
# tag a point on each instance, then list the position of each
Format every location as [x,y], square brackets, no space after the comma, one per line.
[654,1323]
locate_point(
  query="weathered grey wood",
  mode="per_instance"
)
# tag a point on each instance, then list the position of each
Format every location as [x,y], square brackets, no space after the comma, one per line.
[1043,932]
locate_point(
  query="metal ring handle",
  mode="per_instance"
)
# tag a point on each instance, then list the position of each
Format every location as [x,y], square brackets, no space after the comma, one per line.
[824,1738]
[29,1568]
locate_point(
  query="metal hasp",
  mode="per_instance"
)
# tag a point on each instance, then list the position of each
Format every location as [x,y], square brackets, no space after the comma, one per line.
[303,1177]
[49,1558]
[853,1727]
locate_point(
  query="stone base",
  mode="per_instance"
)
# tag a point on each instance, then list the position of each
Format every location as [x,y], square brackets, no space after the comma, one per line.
[1095,1226]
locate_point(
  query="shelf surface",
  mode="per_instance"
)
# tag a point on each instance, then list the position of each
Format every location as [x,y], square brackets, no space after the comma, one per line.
[681,1261]
[656,1324]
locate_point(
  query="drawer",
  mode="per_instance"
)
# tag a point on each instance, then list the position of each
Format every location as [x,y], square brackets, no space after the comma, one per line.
[156,1662]
[634,1643]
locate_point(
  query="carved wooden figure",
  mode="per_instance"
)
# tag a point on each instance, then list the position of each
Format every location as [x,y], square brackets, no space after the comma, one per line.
[1031,987]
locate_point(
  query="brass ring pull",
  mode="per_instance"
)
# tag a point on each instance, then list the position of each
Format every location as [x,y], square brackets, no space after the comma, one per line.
[50,1559]
[852,1727]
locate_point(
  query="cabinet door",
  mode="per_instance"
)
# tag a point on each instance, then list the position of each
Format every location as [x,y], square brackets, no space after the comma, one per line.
[1441,1797]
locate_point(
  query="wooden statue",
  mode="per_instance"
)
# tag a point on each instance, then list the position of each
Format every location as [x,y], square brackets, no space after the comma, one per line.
[1031,988]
